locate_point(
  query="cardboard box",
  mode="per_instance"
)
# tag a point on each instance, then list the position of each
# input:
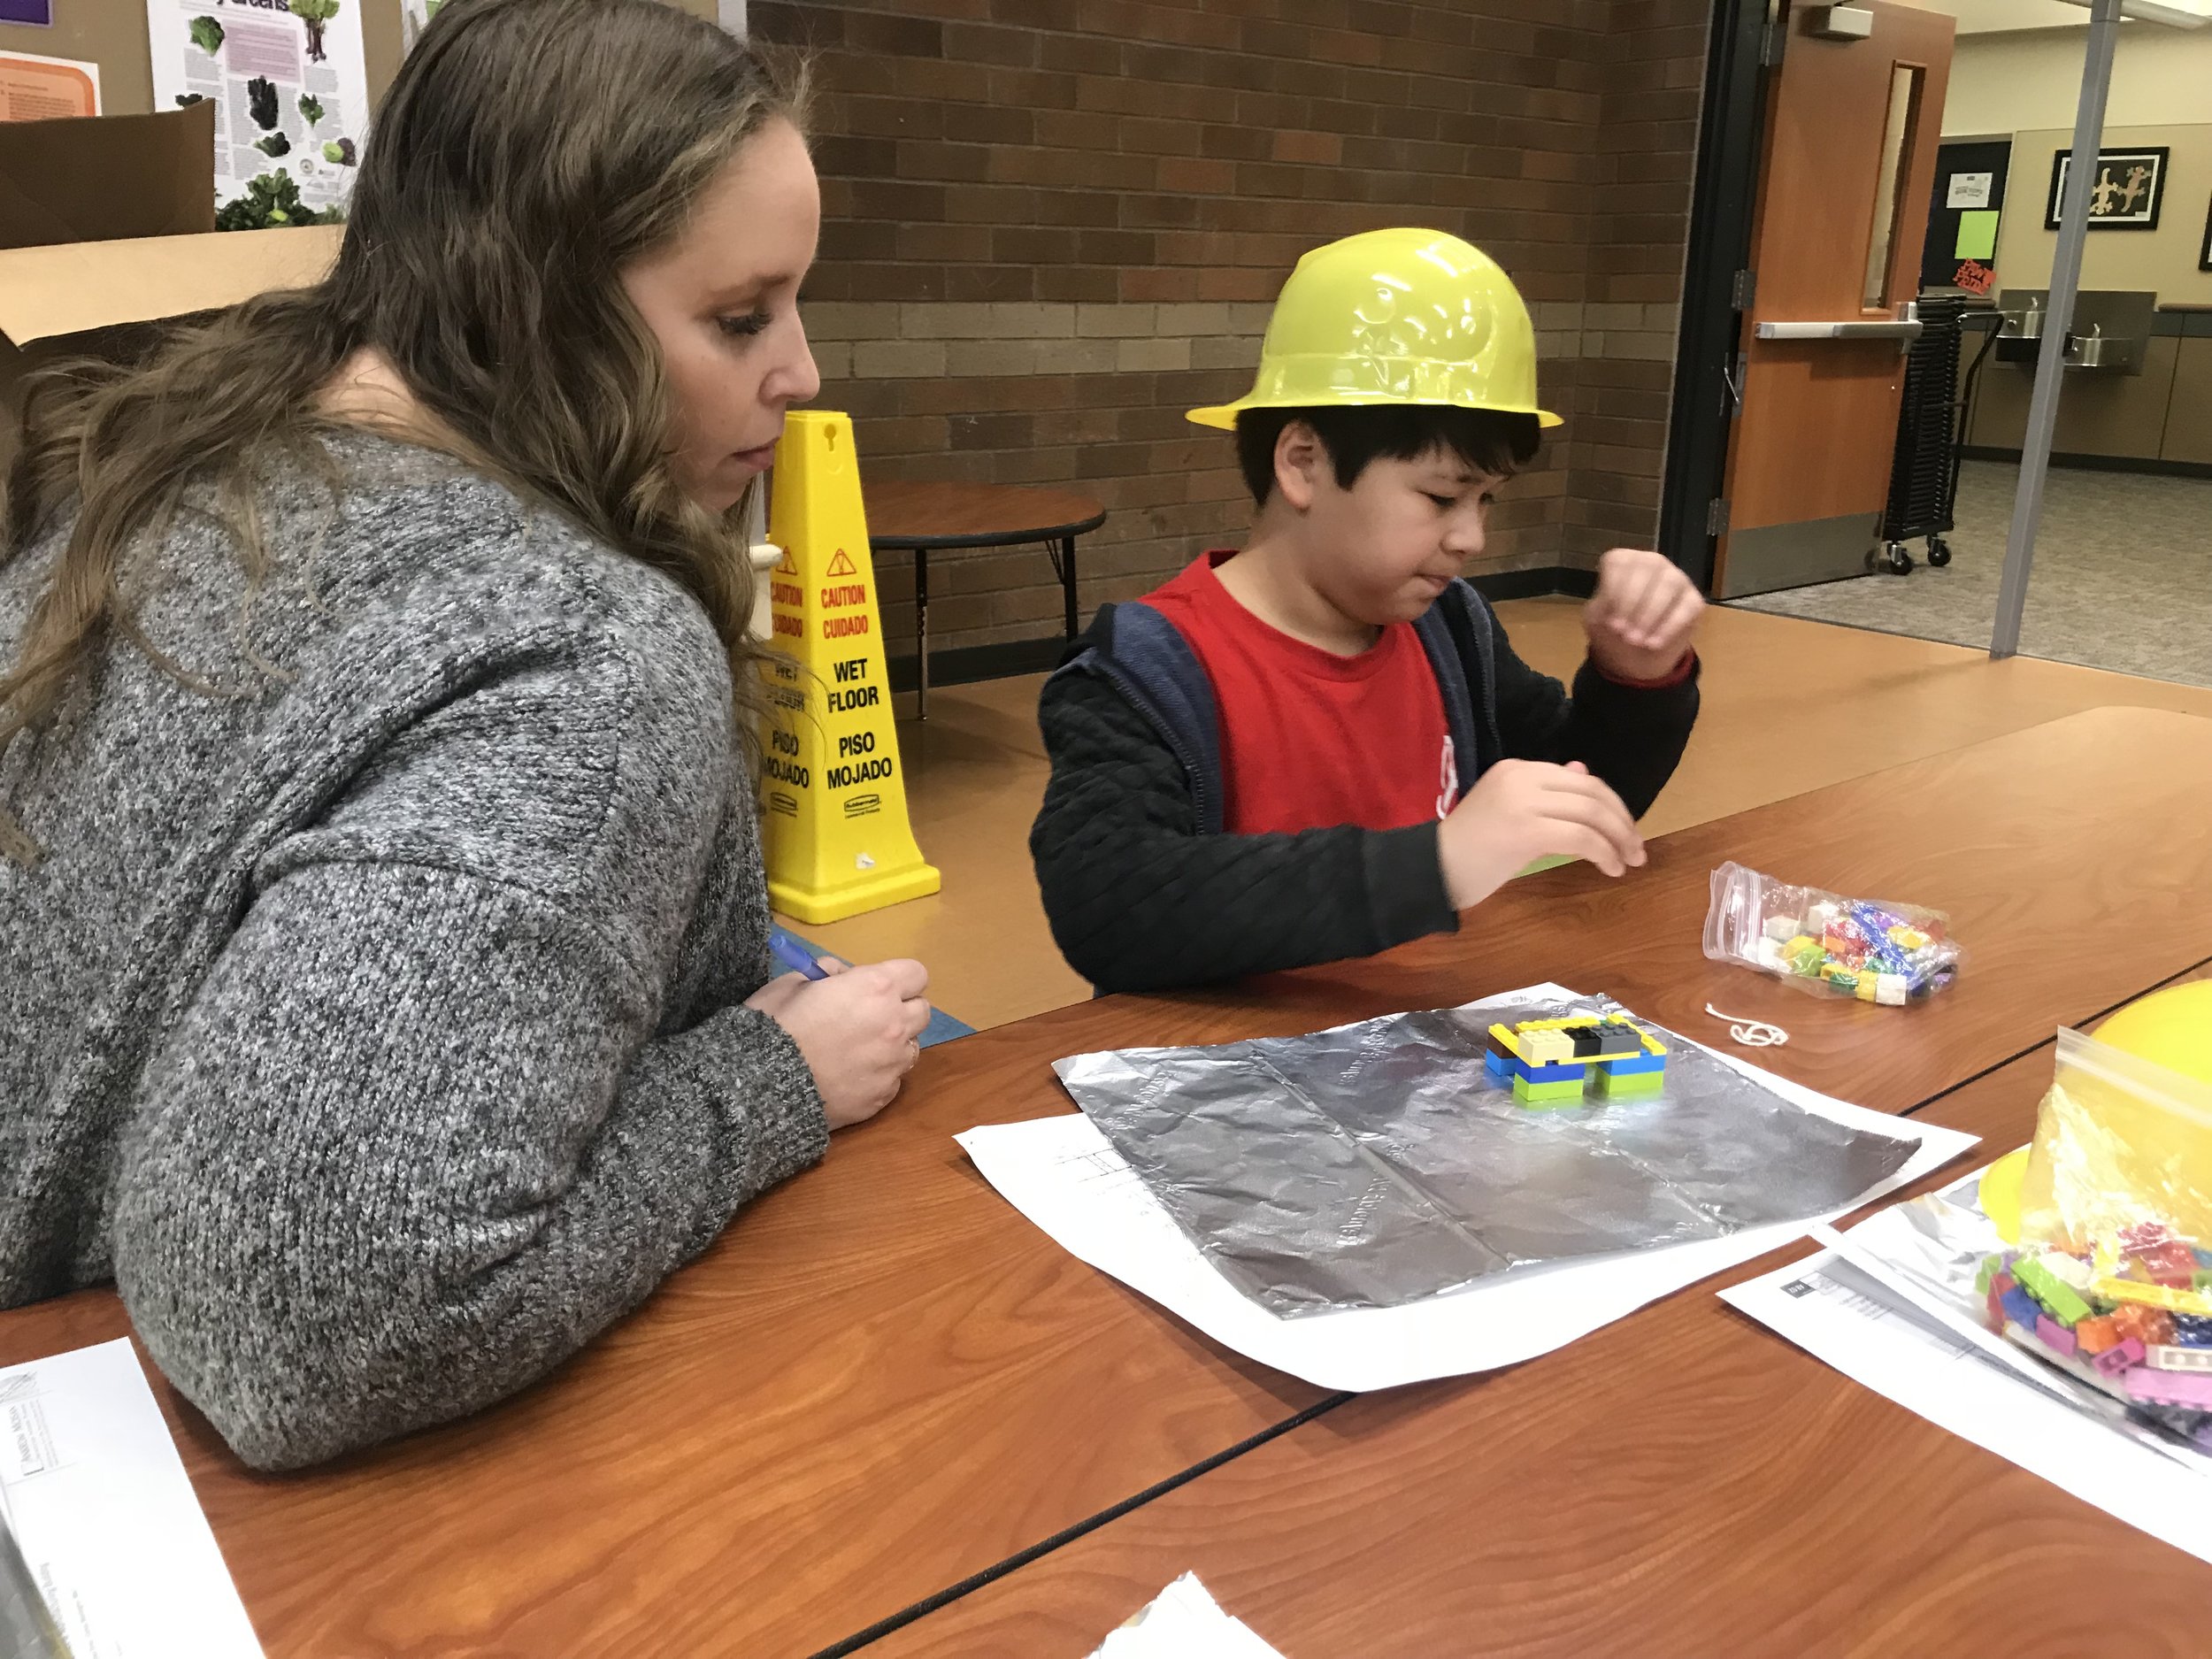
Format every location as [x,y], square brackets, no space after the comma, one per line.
[107,225]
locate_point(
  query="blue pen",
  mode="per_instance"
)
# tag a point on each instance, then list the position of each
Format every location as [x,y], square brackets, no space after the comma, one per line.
[788,951]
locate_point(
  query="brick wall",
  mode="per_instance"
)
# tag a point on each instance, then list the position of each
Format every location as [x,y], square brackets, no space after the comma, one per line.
[1651,69]
[1052,226]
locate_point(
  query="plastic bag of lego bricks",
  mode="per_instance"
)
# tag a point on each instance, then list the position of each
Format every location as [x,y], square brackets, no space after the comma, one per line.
[1821,942]
[2112,1280]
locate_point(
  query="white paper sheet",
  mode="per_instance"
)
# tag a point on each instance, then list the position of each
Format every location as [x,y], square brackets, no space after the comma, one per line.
[106,1518]
[1869,1330]
[1065,1175]
[1183,1622]
[1970,189]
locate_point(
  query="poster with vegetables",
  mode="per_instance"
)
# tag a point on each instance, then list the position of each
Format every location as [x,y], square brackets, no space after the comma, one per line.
[291,89]
[414,18]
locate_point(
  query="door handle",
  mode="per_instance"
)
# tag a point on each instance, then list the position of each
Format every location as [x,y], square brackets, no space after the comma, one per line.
[1908,328]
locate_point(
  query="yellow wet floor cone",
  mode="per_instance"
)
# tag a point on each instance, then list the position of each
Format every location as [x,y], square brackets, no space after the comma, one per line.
[837,841]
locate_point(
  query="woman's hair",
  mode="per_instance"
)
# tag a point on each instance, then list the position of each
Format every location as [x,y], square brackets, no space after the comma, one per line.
[527,152]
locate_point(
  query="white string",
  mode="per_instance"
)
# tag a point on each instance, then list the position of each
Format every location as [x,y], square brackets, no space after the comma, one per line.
[1753,1033]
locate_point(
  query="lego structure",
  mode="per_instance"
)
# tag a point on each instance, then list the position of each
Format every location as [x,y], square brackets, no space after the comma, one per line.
[1553,1063]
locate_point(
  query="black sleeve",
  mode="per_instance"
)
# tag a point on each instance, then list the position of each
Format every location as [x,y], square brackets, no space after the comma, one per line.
[1138,900]
[1631,738]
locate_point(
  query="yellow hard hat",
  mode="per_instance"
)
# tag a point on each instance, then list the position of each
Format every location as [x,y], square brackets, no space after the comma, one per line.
[2173,1028]
[1395,317]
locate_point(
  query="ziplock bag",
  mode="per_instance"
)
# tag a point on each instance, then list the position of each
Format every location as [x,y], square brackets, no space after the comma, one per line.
[1817,941]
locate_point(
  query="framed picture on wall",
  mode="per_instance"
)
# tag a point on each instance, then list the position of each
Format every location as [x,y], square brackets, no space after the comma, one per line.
[2131,184]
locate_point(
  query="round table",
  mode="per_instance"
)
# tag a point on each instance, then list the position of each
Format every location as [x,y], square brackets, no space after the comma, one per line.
[923,516]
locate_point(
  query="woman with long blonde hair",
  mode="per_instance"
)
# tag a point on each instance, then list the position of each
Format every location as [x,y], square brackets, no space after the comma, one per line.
[385,998]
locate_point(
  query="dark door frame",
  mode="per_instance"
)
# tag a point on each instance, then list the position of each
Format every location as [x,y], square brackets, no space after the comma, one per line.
[1745,35]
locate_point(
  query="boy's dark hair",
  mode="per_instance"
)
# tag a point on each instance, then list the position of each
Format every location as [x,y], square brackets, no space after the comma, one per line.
[1356,435]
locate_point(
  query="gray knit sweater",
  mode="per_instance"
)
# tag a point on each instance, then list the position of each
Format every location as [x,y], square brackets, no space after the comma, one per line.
[374,1020]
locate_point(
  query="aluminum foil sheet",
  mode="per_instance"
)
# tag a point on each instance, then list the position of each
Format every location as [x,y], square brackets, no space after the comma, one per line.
[1377,1163]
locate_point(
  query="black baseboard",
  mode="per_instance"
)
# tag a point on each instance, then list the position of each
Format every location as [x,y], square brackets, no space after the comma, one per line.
[1536,584]
[2095,462]
[967,664]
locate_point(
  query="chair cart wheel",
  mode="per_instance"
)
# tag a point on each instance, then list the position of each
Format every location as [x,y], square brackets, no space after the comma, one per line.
[1939,551]
[1896,559]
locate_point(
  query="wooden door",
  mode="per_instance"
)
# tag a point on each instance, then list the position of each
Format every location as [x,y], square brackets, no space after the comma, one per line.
[1842,214]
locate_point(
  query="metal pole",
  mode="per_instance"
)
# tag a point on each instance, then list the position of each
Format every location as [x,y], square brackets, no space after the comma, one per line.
[2058,317]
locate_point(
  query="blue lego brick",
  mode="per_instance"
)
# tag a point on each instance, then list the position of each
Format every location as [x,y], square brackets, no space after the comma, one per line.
[1499,1066]
[1635,1064]
[2020,1308]
[2192,1330]
[1550,1073]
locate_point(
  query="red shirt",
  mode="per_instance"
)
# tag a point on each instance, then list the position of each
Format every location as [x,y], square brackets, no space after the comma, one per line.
[1310,739]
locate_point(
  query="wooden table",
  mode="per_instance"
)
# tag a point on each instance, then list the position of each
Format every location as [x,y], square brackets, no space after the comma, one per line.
[1684,1482]
[923,516]
[881,1382]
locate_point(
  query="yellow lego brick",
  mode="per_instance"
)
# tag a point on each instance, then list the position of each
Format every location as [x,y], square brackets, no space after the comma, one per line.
[2154,1295]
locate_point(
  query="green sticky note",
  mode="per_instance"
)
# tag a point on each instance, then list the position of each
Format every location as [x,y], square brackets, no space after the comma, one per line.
[1978,233]
[1549,861]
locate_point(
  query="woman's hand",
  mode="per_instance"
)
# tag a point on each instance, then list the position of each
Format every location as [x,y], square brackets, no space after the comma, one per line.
[859,1030]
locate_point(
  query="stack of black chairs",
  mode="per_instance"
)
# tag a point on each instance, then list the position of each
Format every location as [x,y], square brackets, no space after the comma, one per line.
[1923,475]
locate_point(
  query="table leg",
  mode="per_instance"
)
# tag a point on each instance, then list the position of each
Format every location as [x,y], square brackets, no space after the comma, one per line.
[1067,579]
[921,634]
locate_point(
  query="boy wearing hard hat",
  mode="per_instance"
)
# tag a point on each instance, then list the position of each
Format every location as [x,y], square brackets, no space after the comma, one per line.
[1322,745]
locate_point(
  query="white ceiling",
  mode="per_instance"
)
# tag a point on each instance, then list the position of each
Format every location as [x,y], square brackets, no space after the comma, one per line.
[1987,16]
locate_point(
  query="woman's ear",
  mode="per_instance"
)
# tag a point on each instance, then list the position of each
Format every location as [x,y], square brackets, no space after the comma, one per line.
[1300,456]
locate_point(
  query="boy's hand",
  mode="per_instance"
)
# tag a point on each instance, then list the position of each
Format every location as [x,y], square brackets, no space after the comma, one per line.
[1521,810]
[1641,619]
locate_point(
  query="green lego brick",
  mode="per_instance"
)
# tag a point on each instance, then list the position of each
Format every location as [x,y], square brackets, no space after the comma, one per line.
[1617,1086]
[1551,1089]
[2059,1299]
[1547,1094]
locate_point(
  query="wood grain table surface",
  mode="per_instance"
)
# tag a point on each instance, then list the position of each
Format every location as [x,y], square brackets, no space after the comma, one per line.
[930,514]
[1682,1482]
[882,1380]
